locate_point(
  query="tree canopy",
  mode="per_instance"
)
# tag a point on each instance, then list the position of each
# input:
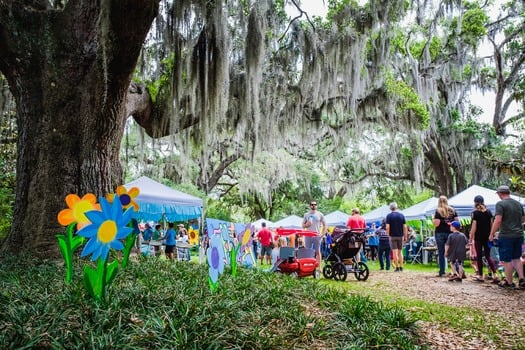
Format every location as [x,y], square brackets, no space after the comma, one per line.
[375,93]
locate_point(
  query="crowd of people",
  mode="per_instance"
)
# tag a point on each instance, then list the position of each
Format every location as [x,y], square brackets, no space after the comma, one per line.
[492,238]
[151,239]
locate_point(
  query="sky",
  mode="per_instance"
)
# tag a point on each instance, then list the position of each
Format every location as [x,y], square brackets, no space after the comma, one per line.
[485,101]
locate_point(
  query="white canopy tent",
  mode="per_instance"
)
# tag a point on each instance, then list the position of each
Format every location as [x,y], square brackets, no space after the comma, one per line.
[292,221]
[419,211]
[157,201]
[336,218]
[258,224]
[377,214]
[463,202]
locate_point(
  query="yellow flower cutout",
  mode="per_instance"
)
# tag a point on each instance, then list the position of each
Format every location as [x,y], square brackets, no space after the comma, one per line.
[193,236]
[126,197]
[77,209]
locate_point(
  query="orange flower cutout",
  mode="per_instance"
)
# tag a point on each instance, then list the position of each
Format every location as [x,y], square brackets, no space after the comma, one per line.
[77,209]
[126,197]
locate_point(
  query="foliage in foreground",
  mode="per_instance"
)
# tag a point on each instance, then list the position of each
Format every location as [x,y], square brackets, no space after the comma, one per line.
[158,304]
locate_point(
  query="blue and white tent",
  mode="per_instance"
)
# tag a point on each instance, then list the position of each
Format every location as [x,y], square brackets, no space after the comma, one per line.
[420,210]
[158,201]
[377,214]
[336,218]
[292,221]
[463,202]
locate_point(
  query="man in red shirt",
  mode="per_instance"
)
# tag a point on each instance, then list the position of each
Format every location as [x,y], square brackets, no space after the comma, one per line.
[265,236]
[356,221]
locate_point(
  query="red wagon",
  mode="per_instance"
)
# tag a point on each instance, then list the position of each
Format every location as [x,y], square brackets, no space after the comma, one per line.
[296,262]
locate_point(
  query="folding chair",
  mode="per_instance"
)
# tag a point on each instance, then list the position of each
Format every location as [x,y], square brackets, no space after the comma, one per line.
[418,256]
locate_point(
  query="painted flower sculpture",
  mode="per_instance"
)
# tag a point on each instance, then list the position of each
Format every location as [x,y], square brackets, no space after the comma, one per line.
[127,198]
[74,217]
[193,234]
[245,244]
[106,230]
[104,226]
[76,213]
[215,255]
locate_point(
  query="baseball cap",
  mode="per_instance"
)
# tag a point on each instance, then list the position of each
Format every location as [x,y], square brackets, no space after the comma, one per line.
[503,189]
[456,224]
[478,199]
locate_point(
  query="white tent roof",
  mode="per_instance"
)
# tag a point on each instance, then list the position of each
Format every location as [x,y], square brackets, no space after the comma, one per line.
[377,214]
[292,221]
[336,218]
[157,200]
[420,210]
[257,224]
[463,202]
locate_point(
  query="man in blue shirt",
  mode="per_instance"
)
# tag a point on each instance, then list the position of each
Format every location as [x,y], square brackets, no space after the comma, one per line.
[396,228]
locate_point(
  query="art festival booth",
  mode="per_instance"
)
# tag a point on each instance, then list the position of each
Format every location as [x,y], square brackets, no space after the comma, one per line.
[158,202]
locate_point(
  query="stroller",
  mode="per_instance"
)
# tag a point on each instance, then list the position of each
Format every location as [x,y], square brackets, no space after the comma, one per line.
[342,259]
[296,262]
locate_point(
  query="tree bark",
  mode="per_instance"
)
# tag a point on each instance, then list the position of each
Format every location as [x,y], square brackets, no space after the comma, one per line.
[69,71]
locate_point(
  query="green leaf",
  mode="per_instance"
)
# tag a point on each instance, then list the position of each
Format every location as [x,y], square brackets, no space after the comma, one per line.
[111,271]
[128,245]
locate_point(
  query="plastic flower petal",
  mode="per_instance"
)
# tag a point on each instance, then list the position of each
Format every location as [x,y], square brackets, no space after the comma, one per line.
[108,228]
[215,255]
[126,197]
[77,210]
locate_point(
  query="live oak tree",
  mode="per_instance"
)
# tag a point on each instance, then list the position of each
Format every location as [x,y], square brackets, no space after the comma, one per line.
[69,68]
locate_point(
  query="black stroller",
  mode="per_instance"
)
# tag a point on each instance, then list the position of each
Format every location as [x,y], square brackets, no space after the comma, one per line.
[342,259]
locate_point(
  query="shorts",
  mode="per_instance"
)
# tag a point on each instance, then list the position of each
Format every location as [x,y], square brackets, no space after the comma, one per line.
[266,250]
[312,242]
[169,249]
[509,248]
[396,242]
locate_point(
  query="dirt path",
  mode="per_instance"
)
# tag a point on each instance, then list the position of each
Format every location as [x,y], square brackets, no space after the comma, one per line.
[487,297]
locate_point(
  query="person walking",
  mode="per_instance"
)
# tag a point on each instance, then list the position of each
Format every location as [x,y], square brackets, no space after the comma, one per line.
[509,221]
[313,220]
[443,216]
[265,237]
[396,228]
[170,240]
[479,237]
[383,249]
[456,251]
[357,224]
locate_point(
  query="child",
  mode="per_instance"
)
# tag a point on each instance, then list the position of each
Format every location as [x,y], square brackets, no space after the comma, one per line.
[456,251]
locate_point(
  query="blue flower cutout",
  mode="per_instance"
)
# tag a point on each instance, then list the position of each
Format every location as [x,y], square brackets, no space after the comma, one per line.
[106,230]
[215,256]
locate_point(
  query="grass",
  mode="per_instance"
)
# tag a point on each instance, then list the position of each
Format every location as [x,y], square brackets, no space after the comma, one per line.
[155,303]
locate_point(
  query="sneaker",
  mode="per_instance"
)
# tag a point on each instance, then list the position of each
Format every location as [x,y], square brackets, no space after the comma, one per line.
[397,269]
[400,269]
[521,283]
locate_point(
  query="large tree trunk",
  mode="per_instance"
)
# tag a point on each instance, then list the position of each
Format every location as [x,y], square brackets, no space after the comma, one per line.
[69,71]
